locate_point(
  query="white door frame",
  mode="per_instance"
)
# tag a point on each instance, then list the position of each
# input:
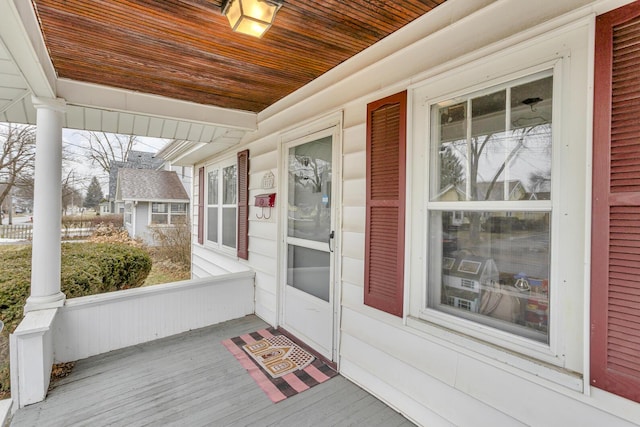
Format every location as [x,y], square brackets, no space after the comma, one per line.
[306,133]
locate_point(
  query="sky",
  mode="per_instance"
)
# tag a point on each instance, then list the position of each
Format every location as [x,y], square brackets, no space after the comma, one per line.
[75,143]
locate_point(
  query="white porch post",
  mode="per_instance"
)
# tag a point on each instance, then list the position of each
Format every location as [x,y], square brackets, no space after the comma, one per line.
[47,206]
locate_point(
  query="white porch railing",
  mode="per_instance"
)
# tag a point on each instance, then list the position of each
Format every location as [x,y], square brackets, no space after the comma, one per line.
[97,324]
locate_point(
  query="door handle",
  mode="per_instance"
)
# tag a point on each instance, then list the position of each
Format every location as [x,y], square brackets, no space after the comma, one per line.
[331,236]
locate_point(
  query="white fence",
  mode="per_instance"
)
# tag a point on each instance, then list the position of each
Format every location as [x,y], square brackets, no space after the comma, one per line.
[25,232]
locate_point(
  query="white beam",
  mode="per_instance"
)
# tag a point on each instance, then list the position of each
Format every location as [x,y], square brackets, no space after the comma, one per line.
[113,99]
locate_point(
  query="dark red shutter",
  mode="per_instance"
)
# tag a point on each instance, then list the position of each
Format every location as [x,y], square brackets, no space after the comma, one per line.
[201,203]
[384,235]
[615,274]
[243,204]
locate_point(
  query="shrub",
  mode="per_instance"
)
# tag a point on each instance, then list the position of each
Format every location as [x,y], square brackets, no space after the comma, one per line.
[87,269]
[173,243]
[112,233]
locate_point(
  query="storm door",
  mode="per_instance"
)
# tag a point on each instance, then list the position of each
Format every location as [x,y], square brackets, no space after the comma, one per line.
[309,241]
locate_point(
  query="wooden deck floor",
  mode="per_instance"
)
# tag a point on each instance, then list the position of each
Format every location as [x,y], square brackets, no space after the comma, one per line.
[192,380]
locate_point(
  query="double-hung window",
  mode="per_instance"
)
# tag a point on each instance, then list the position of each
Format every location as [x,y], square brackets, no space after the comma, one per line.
[221,205]
[168,213]
[497,214]
[489,206]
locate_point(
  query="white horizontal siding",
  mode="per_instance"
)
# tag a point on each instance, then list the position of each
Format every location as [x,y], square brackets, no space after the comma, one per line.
[353,219]
[444,380]
[355,137]
[212,262]
[263,162]
[263,242]
[263,247]
[97,324]
[354,192]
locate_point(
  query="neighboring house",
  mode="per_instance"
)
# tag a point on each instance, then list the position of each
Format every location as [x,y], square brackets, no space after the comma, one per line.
[104,208]
[135,160]
[327,199]
[151,198]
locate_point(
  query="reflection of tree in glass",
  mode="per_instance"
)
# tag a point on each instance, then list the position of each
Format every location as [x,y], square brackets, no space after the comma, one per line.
[308,171]
[230,182]
[539,181]
[451,173]
[509,145]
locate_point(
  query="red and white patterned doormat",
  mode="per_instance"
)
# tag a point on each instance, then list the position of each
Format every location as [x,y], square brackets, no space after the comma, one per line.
[278,355]
[272,369]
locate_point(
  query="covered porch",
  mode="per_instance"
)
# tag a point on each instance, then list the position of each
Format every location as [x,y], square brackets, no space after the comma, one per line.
[192,379]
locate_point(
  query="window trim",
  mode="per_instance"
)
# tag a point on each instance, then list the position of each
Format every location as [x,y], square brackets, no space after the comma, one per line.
[219,165]
[567,48]
[169,214]
[549,353]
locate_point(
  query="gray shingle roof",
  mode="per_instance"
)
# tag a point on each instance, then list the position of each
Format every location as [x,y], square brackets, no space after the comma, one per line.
[135,160]
[148,184]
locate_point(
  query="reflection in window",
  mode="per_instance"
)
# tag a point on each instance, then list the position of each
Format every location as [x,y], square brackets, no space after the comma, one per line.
[494,146]
[500,279]
[490,263]
[309,180]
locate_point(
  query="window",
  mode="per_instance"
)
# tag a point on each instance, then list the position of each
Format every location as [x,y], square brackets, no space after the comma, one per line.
[128,212]
[168,213]
[490,206]
[159,213]
[221,202]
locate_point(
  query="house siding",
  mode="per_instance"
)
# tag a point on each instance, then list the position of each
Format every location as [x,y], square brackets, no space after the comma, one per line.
[432,377]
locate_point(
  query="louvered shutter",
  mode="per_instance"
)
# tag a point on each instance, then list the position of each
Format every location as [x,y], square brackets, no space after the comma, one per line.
[201,205]
[615,276]
[243,204]
[384,234]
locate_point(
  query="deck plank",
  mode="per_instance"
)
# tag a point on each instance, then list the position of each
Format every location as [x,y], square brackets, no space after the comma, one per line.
[191,379]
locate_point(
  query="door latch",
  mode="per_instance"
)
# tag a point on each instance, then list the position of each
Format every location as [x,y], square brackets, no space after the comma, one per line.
[331,236]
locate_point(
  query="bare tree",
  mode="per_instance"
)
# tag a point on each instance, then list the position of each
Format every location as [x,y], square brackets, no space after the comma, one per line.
[71,196]
[17,156]
[103,148]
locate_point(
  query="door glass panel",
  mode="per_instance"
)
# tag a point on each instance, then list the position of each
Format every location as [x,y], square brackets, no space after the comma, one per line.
[308,271]
[309,207]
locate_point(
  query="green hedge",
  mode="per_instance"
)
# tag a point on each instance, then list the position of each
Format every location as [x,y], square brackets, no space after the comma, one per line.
[87,269]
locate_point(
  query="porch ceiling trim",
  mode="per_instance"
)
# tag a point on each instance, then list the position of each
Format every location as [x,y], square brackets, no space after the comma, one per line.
[20,33]
[121,100]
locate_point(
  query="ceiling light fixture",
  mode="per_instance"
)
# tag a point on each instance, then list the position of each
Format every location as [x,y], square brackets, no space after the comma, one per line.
[252,17]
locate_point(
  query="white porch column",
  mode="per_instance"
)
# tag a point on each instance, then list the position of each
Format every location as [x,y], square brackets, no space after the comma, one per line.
[47,206]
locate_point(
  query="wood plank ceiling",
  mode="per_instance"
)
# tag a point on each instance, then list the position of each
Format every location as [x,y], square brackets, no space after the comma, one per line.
[184,49]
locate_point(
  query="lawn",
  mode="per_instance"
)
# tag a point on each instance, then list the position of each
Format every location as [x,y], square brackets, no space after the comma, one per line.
[164,271]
